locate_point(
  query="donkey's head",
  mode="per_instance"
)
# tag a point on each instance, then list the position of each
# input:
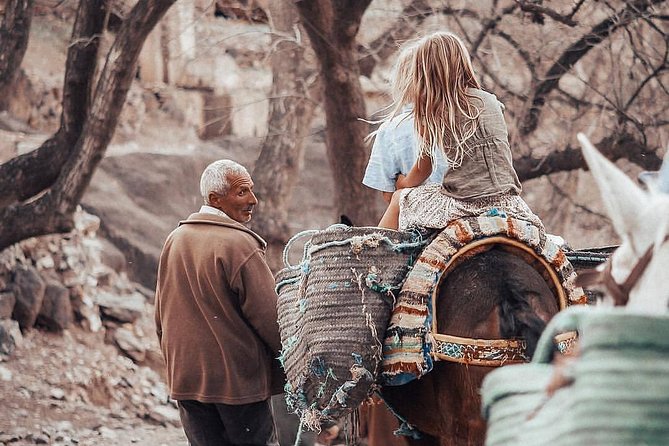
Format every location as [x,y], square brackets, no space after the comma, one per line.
[637,272]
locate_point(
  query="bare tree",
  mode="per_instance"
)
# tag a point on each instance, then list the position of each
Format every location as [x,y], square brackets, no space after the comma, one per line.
[561,67]
[290,114]
[573,53]
[332,26]
[29,174]
[14,34]
[51,209]
[581,27]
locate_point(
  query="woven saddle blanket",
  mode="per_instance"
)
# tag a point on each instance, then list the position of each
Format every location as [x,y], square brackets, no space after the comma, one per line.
[408,344]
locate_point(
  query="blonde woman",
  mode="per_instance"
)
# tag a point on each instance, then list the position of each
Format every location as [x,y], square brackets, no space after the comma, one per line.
[395,148]
[454,115]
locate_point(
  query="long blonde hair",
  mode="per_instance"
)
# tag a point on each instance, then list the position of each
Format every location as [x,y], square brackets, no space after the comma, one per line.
[438,76]
[399,79]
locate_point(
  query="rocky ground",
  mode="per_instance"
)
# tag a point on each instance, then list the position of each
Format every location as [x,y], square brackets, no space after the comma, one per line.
[74,388]
[85,367]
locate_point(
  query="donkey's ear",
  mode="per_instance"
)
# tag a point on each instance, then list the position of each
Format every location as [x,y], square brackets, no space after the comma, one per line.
[624,200]
[663,175]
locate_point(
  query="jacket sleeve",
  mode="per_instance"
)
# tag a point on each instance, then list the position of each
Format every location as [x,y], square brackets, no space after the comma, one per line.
[156,316]
[255,285]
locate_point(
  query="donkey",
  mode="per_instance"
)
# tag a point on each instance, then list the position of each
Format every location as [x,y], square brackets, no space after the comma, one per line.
[636,273]
[492,295]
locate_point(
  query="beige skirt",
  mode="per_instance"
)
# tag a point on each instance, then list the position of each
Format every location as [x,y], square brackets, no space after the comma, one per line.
[428,206]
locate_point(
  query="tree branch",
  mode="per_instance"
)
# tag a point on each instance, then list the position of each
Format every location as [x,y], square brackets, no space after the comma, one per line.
[574,53]
[27,175]
[614,147]
[54,209]
[385,45]
[14,35]
[542,10]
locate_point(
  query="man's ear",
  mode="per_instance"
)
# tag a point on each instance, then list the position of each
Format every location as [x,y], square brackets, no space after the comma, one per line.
[214,199]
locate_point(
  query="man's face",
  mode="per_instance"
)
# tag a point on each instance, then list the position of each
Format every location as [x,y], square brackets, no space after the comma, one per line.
[239,201]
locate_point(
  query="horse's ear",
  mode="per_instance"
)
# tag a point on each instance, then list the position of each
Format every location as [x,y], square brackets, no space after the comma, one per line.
[344,220]
[623,198]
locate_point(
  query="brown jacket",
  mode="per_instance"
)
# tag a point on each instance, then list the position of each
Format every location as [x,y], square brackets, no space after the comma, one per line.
[216,312]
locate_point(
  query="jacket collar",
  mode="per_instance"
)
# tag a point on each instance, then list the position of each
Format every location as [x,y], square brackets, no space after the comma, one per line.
[221,220]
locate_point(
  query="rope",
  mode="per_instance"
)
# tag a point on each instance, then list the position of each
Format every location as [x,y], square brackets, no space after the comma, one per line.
[372,240]
[293,239]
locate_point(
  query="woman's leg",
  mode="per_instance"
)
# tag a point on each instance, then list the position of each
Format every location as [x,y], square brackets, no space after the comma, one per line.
[391,217]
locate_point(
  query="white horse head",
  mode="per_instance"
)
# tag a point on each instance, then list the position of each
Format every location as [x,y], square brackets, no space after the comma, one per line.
[641,219]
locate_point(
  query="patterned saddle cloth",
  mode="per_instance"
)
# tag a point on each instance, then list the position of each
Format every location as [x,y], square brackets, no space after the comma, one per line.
[409,345]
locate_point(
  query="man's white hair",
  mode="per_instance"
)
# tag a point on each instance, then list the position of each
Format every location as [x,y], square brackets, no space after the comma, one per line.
[215,177]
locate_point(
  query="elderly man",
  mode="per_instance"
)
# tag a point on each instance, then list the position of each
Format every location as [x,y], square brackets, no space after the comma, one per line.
[216,316]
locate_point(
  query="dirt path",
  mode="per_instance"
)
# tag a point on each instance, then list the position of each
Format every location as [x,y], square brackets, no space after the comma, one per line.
[76,389]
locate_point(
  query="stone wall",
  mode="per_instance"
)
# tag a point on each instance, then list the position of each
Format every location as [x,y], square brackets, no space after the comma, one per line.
[220,60]
[54,281]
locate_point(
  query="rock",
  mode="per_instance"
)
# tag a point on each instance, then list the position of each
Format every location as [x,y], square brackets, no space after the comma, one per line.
[29,247]
[56,311]
[64,427]
[61,438]
[28,288]
[159,391]
[45,262]
[120,308]
[111,256]
[5,374]
[40,439]
[9,438]
[7,302]
[9,258]
[90,317]
[72,278]
[86,223]
[57,394]
[10,336]
[148,293]
[165,415]
[76,299]
[129,344]
[104,276]
[107,433]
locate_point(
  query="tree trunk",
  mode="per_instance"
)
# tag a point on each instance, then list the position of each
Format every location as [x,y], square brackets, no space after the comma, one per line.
[332,26]
[14,34]
[27,175]
[52,211]
[290,113]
